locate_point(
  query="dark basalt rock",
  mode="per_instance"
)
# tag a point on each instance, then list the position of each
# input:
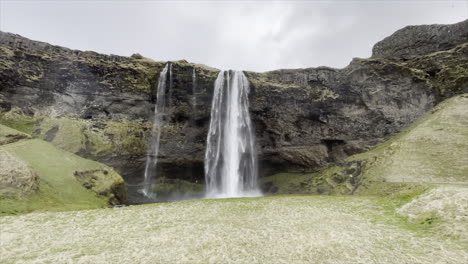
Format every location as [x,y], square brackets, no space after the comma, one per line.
[305,119]
[419,40]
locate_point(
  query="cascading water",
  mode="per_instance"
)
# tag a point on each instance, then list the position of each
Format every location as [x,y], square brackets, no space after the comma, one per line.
[160,113]
[194,91]
[230,158]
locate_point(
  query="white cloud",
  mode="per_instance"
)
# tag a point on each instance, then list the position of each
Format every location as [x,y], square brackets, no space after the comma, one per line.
[257,36]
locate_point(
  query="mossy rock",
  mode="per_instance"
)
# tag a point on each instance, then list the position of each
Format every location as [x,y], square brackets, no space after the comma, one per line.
[17,178]
[105,183]
[8,135]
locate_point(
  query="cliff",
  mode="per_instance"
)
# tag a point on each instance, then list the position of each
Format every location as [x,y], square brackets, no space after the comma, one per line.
[433,150]
[101,106]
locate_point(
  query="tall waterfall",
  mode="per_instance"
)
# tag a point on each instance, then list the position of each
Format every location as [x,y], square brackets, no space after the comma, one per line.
[160,113]
[230,158]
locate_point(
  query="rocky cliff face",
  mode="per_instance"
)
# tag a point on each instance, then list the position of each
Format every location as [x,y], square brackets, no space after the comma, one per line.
[309,118]
[101,106]
[434,150]
[413,41]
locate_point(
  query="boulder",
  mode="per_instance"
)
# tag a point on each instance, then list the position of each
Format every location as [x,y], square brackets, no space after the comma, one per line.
[17,178]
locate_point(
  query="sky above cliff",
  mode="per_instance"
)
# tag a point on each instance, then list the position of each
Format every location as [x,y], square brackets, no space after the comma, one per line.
[258,36]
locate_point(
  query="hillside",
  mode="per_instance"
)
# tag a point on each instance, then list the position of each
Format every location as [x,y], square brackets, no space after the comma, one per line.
[36,176]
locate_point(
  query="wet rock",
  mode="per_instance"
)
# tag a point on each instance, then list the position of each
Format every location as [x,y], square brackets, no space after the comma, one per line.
[104,183]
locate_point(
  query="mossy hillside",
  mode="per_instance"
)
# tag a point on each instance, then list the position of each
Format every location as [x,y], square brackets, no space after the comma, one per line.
[58,187]
[17,178]
[443,208]
[433,150]
[429,154]
[9,135]
[90,138]
[104,182]
[446,70]
[396,204]
[329,182]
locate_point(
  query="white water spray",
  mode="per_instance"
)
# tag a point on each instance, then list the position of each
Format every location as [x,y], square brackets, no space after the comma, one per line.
[230,158]
[194,91]
[160,114]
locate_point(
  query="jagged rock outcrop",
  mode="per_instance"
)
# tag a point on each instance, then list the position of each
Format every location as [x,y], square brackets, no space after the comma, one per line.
[419,40]
[101,106]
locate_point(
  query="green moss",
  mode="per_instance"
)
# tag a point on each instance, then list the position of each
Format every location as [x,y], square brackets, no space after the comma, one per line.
[103,182]
[9,135]
[5,59]
[46,199]
[325,94]
[330,181]
[58,189]
[89,138]
[19,121]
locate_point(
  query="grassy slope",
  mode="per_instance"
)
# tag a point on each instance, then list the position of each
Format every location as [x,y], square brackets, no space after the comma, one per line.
[433,150]
[58,189]
[275,229]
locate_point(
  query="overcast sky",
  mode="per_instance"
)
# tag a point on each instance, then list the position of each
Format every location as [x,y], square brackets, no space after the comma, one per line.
[244,35]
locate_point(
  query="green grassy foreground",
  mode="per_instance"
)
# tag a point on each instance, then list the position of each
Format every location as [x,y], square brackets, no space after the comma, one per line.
[275,229]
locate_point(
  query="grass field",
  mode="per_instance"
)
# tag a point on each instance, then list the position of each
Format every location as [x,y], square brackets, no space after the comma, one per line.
[275,229]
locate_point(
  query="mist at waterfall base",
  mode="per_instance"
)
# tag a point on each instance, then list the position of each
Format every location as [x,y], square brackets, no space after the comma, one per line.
[231,168]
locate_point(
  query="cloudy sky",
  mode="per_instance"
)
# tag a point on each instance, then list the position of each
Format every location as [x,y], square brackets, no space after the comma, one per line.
[246,35]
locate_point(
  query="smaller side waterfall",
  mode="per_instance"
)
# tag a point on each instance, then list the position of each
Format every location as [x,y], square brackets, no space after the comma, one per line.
[230,158]
[160,116]
[194,95]
[194,90]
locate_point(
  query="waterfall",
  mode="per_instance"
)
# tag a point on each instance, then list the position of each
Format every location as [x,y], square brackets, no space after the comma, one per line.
[160,113]
[194,91]
[230,158]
